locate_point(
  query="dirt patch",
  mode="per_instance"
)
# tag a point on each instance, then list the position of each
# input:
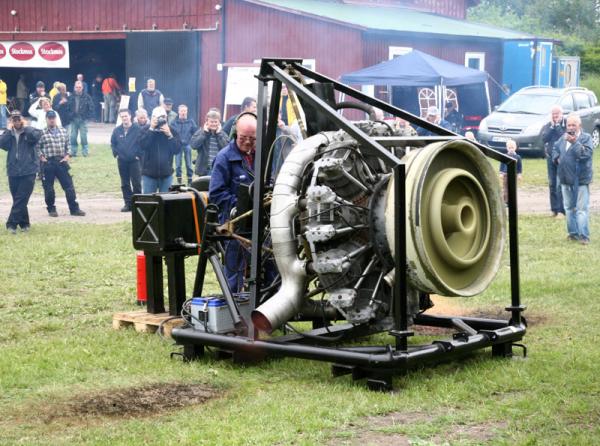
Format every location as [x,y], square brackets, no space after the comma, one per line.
[371,431]
[133,402]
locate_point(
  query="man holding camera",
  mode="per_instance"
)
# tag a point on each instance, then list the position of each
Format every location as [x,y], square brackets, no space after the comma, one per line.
[159,143]
[22,164]
[551,132]
[573,155]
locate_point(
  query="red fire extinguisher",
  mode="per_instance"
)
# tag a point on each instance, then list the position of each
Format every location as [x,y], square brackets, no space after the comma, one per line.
[142,295]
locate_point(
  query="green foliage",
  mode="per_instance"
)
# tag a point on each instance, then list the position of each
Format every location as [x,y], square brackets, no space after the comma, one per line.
[590,59]
[593,83]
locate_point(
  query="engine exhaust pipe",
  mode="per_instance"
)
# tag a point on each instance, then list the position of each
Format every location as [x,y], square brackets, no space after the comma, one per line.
[288,300]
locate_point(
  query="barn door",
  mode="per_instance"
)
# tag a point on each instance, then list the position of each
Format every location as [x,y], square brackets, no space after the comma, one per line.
[172,59]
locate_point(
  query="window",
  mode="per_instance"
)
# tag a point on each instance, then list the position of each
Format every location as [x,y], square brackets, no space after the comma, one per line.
[567,104]
[582,100]
[475,61]
[395,51]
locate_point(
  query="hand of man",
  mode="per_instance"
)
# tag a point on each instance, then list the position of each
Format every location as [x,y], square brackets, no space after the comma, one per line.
[571,138]
[166,130]
[43,158]
[205,128]
[65,159]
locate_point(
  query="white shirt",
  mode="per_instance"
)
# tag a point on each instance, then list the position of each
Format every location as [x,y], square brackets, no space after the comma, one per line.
[40,115]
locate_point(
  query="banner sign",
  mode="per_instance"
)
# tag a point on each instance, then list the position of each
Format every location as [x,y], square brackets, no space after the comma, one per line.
[23,54]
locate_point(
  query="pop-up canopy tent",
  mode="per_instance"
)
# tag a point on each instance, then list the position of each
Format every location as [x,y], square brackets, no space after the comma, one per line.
[418,69]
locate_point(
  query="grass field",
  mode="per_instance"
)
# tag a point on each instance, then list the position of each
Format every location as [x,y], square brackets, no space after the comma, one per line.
[63,369]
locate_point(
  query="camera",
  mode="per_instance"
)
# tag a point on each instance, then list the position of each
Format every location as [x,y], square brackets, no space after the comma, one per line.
[160,121]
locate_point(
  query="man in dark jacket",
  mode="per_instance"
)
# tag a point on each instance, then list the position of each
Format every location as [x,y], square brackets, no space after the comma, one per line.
[22,164]
[208,141]
[573,155]
[81,108]
[60,104]
[150,98]
[125,148]
[158,144]
[186,128]
[551,132]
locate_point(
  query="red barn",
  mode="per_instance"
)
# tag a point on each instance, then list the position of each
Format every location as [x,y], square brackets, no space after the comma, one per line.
[188,45]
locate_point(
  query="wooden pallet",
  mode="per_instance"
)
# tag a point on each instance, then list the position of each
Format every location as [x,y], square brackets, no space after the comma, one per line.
[145,322]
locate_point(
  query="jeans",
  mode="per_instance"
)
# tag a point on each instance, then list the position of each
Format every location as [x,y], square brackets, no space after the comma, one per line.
[110,103]
[187,152]
[21,188]
[52,169]
[556,199]
[79,125]
[131,179]
[3,116]
[151,184]
[577,213]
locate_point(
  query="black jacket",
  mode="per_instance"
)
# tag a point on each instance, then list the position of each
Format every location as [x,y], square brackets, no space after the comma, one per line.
[23,158]
[185,129]
[575,164]
[201,142]
[550,134]
[62,109]
[126,146]
[86,107]
[158,151]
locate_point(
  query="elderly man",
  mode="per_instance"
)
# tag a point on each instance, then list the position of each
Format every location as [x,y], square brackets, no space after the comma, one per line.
[573,155]
[141,118]
[159,143]
[551,132]
[81,108]
[22,164]
[234,165]
[150,98]
[54,148]
[433,116]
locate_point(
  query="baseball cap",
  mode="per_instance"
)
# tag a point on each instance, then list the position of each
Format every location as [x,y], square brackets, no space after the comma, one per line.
[168,101]
[40,84]
[50,114]
[432,111]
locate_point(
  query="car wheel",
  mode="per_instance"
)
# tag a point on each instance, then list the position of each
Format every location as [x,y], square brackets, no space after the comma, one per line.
[596,136]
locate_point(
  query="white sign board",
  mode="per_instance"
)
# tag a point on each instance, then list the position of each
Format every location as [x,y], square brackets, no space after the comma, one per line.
[241,83]
[24,54]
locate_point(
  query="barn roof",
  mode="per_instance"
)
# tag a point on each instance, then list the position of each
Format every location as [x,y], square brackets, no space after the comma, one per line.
[391,19]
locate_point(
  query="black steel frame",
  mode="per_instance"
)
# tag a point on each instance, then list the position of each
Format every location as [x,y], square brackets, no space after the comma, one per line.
[377,364]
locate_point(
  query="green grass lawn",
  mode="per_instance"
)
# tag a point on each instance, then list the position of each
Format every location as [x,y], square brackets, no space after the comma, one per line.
[60,285]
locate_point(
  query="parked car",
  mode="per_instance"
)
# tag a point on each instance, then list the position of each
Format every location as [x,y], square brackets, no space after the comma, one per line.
[522,116]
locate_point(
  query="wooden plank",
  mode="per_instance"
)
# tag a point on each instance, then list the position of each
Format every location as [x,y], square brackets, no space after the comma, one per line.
[144,322]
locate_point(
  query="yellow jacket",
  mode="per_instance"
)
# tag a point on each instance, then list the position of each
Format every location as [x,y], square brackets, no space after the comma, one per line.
[291,115]
[3,89]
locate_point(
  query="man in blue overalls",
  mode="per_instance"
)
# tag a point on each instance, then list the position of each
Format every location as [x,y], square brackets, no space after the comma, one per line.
[234,165]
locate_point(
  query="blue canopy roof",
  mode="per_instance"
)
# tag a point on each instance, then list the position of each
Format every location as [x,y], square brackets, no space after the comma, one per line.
[416,69]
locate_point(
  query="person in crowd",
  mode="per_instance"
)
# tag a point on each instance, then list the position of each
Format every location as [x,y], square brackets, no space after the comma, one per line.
[141,118]
[110,92]
[40,92]
[79,78]
[22,164]
[124,143]
[208,141]
[573,155]
[54,155]
[433,116]
[22,91]
[3,102]
[81,109]
[234,165]
[248,105]
[287,113]
[511,150]
[150,98]
[60,104]
[38,110]
[454,117]
[186,127]
[96,93]
[470,135]
[159,143]
[171,115]
[54,91]
[551,132]
[403,128]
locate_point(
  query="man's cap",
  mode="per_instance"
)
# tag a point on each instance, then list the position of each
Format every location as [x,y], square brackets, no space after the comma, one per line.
[40,84]
[15,113]
[433,111]
[50,114]
[168,101]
